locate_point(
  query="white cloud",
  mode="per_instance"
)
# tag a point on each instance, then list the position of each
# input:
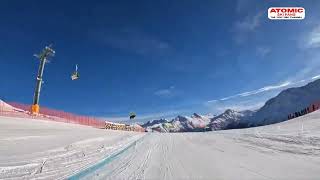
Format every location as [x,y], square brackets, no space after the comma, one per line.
[252,100]
[245,103]
[313,38]
[263,51]
[309,64]
[302,81]
[229,97]
[249,23]
[316,77]
[258,91]
[169,92]
[244,28]
[240,106]
[283,85]
[212,101]
[266,88]
[242,5]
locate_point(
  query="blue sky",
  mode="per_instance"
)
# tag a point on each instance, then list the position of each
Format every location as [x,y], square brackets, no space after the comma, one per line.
[157,58]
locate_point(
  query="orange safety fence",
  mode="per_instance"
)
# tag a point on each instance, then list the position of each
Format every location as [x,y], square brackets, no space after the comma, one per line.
[23,111]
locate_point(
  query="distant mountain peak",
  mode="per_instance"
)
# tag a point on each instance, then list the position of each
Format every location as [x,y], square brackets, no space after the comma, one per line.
[229,111]
[196,115]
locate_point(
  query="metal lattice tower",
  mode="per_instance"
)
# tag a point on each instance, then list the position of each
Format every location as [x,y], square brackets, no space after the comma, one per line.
[43,56]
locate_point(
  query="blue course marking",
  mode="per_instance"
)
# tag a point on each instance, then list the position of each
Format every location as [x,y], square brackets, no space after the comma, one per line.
[102,163]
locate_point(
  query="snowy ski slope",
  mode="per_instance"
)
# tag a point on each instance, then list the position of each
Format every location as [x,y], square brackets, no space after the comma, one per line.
[38,149]
[50,150]
[279,151]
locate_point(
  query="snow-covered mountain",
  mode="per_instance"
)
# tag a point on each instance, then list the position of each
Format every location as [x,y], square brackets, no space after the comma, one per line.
[288,101]
[275,110]
[230,119]
[154,122]
[195,122]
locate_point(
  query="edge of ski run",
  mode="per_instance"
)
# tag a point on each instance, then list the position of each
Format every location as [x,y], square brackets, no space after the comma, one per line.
[103,162]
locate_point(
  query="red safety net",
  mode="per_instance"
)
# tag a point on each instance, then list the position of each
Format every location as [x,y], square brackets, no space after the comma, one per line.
[14,109]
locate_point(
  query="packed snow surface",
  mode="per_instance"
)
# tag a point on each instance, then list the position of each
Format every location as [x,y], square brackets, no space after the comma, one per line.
[288,150]
[39,149]
[6,107]
[47,150]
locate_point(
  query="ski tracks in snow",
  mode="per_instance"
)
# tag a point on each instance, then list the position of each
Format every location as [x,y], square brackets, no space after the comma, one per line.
[132,164]
[208,155]
[151,157]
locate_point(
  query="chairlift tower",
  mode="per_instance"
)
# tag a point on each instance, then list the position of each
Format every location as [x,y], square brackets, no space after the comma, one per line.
[43,56]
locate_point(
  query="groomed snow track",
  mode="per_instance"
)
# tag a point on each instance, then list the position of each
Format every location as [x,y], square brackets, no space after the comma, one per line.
[38,149]
[288,150]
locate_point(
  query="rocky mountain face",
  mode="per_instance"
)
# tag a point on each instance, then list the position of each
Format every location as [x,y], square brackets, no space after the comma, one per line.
[230,119]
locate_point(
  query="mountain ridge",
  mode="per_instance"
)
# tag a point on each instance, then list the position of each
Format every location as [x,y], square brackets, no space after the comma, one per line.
[274,110]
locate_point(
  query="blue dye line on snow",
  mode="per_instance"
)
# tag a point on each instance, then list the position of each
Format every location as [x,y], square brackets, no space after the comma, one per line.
[102,163]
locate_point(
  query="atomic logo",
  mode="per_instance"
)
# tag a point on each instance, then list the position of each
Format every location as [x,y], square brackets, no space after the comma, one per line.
[286,13]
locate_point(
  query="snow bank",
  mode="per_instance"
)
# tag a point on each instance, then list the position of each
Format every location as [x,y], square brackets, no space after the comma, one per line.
[5,107]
